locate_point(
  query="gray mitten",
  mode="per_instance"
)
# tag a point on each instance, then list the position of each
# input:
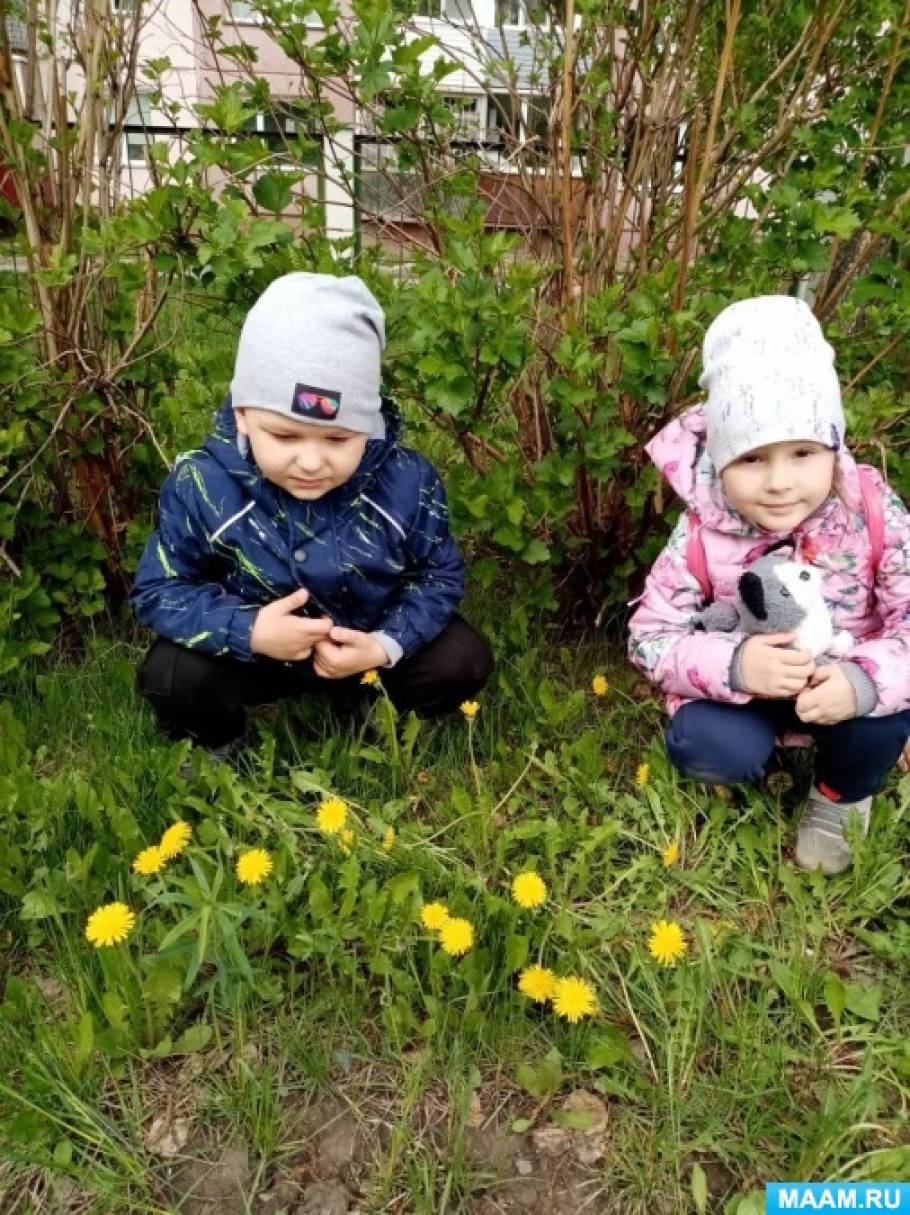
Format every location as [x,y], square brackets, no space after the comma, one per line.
[717,618]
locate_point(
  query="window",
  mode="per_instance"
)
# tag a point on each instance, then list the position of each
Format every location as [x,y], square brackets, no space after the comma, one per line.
[245,12]
[538,120]
[283,122]
[503,118]
[385,191]
[451,10]
[466,112]
[137,136]
[510,12]
[123,6]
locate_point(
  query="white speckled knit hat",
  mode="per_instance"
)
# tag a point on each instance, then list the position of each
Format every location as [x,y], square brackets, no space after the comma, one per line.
[769,375]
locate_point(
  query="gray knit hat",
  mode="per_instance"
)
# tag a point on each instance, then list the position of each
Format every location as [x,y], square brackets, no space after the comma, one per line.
[310,349]
[770,378]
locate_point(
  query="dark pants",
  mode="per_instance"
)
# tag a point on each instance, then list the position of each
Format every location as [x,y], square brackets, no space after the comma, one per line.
[205,697]
[724,744]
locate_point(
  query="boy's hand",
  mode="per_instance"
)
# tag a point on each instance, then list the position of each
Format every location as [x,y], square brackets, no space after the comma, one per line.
[768,668]
[278,633]
[347,652]
[828,699]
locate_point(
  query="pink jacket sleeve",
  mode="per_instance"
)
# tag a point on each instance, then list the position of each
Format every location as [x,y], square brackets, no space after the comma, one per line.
[886,657]
[661,642]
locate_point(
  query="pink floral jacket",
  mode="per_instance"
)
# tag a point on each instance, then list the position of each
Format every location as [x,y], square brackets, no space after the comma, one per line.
[872,605]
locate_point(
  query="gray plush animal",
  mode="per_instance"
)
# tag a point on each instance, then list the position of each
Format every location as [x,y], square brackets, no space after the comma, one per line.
[777,595]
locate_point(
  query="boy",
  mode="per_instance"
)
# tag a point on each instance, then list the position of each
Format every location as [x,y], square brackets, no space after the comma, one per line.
[301,545]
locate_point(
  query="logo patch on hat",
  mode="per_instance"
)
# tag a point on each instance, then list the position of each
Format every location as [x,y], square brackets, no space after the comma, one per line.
[320,403]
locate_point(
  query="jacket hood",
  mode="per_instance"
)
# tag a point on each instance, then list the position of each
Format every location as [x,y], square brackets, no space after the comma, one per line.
[680,453]
[232,451]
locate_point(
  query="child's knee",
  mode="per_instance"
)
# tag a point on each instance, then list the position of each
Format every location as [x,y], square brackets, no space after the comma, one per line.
[705,756]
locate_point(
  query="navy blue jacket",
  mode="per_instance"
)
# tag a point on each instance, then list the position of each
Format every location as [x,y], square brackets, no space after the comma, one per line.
[376,552]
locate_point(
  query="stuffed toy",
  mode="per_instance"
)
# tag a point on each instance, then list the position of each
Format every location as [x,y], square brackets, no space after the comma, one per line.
[777,595]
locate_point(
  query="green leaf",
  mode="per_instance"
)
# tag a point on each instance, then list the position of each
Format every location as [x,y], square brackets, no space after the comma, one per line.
[273,191]
[608,1048]
[115,1010]
[835,995]
[162,985]
[39,905]
[543,1078]
[575,1120]
[699,1186]
[864,1000]
[403,885]
[63,1153]
[194,1039]
[85,1039]
[516,952]
[536,552]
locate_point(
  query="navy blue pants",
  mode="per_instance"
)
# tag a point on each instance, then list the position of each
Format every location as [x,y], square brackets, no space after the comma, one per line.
[724,744]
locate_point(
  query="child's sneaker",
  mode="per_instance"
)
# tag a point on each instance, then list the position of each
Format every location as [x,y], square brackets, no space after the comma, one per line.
[820,838]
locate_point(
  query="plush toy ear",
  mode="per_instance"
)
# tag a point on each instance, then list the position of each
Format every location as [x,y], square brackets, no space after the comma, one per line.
[752,593]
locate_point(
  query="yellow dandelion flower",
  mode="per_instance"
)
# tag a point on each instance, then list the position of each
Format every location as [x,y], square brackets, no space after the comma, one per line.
[109,925]
[346,841]
[434,915]
[332,815]
[253,866]
[470,708]
[667,944]
[537,983]
[574,998]
[175,839]
[388,839]
[456,936]
[670,854]
[370,677]
[599,685]
[150,860]
[642,775]
[529,890]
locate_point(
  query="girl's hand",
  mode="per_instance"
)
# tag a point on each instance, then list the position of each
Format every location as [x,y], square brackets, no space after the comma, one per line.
[828,699]
[903,760]
[769,668]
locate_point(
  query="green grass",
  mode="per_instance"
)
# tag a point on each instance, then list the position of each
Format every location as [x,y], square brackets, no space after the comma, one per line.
[778,1047]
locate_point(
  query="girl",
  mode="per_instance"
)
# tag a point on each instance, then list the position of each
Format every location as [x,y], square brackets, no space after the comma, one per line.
[761,461]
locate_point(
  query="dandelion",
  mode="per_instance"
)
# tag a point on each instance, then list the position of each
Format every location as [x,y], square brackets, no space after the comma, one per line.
[253,866]
[670,854]
[109,925]
[332,815]
[529,890]
[642,775]
[456,936]
[599,685]
[150,860]
[434,915]
[667,944]
[470,708]
[175,839]
[346,840]
[537,983]
[388,839]
[574,998]
[370,677]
